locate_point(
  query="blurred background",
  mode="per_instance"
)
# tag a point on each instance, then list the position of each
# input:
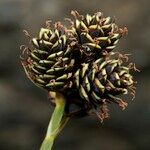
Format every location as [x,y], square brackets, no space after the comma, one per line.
[25,109]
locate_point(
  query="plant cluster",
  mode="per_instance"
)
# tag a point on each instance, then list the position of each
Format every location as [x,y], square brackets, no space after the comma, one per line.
[80,63]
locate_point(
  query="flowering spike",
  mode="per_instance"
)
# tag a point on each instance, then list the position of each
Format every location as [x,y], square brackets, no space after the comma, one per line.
[79,60]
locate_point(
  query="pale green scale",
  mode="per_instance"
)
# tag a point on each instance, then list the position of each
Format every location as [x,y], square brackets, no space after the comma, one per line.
[83,93]
[54,84]
[76,75]
[84,69]
[83,26]
[87,84]
[99,85]
[63,77]
[95,97]
[107,20]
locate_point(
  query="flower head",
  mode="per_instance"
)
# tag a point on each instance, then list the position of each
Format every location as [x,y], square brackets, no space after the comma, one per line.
[78,62]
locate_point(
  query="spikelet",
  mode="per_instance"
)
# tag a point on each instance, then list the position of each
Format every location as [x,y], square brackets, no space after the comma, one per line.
[95,36]
[49,62]
[103,82]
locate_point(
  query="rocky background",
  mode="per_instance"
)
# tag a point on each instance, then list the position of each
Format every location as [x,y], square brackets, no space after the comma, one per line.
[25,109]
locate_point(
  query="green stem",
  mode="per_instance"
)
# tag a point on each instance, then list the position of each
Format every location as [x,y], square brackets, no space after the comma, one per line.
[57,122]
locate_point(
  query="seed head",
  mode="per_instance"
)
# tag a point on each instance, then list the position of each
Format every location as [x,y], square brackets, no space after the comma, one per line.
[78,62]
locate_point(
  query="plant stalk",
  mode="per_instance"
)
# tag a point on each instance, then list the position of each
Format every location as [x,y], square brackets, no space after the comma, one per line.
[57,122]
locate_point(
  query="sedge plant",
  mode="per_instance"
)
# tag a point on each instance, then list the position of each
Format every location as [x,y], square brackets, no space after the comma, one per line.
[77,65]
